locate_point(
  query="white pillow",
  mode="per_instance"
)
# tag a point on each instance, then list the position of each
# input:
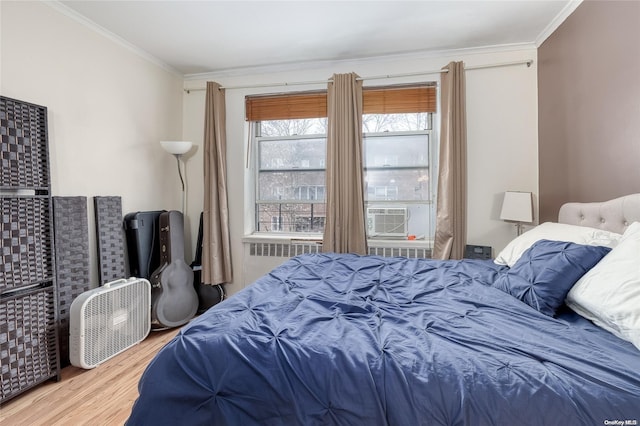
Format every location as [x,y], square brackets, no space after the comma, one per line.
[555,232]
[609,293]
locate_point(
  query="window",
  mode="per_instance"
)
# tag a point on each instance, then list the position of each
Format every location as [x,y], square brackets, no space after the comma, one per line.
[290,148]
[397,178]
[276,223]
[290,175]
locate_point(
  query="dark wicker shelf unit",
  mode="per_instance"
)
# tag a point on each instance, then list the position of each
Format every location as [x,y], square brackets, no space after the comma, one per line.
[28,307]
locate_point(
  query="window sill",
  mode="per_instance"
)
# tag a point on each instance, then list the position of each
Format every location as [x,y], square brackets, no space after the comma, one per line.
[282,238]
[317,239]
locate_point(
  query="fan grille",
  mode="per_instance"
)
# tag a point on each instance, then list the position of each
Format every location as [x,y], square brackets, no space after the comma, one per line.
[116,320]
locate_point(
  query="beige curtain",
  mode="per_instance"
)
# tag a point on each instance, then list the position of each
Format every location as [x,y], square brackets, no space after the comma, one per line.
[345,230]
[451,216]
[216,250]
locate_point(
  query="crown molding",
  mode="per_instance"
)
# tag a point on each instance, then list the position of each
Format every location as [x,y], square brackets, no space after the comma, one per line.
[299,66]
[70,13]
[567,10]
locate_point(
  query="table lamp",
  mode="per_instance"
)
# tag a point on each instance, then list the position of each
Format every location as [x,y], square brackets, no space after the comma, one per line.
[517,207]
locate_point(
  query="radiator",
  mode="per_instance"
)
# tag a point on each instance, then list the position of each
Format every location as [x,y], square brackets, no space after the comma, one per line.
[288,249]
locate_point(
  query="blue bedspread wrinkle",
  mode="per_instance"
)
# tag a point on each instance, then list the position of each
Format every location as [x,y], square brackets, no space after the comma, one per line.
[330,339]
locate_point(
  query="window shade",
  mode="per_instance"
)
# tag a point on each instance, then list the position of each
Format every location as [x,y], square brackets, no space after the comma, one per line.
[286,106]
[399,100]
[386,100]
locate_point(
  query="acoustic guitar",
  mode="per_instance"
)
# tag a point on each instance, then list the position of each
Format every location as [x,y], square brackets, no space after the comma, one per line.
[174,300]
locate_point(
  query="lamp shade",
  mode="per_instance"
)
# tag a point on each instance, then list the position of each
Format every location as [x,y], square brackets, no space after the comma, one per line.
[176,147]
[517,207]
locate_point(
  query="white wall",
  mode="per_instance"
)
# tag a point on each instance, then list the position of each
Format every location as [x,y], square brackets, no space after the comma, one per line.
[107,108]
[502,136]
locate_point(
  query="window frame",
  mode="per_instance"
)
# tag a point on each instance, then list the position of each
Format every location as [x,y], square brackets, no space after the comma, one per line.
[256,177]
[430,149]
[409,204]
[431,132]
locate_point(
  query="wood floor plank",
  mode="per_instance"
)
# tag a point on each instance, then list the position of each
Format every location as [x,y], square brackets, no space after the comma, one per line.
[100,396]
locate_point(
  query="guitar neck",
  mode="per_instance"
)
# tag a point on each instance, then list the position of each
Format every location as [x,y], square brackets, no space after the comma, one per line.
[171,236]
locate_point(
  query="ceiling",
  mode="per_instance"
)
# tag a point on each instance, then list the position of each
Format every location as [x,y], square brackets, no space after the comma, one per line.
[198,37]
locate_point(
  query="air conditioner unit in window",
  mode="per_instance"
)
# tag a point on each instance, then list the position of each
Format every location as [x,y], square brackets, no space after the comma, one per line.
[387,221]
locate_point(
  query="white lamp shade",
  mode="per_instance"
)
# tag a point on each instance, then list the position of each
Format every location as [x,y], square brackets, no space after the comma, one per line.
[517,207]
[176,147]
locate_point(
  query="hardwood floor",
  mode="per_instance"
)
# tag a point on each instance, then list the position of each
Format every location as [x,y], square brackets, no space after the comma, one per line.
[101,396]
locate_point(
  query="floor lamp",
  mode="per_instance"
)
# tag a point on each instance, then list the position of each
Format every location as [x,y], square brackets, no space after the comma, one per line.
[178,149]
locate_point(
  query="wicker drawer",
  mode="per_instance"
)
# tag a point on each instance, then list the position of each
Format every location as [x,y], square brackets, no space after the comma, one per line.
[25,242]
[23,145]
[27,341]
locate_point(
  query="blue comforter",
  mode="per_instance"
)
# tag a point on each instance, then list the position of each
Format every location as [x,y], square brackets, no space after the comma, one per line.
[332,339]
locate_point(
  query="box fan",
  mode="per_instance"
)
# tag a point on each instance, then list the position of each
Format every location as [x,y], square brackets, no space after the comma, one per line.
[108,320]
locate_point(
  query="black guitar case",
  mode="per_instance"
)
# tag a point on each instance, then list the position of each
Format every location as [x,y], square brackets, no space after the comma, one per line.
[208,294]
[142,230]
[174,301]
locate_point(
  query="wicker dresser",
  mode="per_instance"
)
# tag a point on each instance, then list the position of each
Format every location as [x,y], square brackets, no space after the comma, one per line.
[28,313]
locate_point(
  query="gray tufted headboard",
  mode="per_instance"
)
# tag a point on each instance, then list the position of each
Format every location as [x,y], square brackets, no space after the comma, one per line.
[613,215]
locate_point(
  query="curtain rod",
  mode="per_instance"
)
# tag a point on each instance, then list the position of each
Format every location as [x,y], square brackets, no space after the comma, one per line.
[377,77]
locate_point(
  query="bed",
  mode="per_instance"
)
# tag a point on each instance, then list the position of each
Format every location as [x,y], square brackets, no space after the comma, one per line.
[341,339]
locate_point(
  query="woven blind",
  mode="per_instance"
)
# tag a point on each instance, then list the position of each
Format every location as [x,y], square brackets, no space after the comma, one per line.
[386,100]
[286,106]
[399,100]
